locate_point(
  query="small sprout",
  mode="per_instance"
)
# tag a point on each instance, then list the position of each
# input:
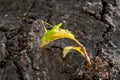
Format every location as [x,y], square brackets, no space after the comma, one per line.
[57,33]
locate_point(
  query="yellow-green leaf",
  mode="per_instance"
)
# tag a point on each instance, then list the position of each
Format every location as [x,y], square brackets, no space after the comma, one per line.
[55,33]
[67,49]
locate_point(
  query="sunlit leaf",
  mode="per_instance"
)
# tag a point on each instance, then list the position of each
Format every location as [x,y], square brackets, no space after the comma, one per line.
[55,33]
[67,49]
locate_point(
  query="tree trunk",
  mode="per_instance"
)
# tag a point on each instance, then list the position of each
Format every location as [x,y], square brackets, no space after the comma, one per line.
[95,23]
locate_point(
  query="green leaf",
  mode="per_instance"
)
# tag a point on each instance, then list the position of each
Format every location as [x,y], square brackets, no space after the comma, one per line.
[55,33]
[56,27]
[67,49]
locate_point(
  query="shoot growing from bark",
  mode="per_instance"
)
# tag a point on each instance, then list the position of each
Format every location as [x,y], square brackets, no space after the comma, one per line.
[58,33]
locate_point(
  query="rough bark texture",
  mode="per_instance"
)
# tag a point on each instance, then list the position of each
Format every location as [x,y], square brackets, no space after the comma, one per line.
[95,23]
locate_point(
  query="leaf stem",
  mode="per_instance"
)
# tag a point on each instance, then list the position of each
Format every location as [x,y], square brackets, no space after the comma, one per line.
[84,51]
